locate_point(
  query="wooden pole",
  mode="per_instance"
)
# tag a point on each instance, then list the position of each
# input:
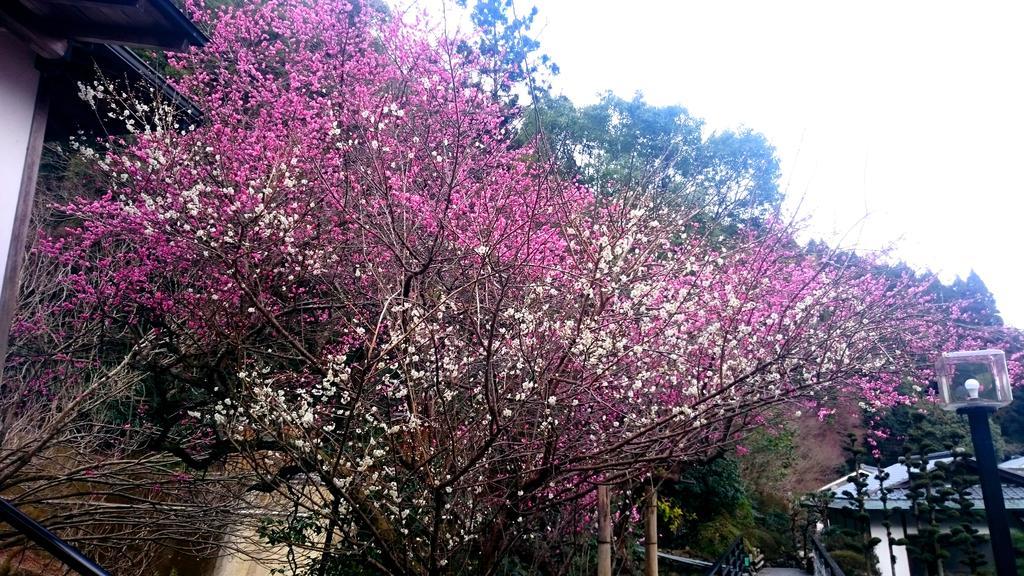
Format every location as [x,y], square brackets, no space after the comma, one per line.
[604,533]
[651,533]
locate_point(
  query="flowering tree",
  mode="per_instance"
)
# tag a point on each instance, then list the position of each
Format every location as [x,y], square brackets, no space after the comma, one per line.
[424,342]
[75,450]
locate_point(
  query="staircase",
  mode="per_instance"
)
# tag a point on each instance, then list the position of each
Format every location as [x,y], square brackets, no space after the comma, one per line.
[738,560]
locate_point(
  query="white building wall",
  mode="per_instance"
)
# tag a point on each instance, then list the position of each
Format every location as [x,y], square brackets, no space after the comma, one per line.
[882,551]
[900,552]
[18,83]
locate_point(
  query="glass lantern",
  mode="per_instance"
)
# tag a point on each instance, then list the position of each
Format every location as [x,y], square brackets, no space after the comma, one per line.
[973,378]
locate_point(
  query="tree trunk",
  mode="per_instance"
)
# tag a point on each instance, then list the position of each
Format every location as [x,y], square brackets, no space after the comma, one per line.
[604,533]
[651,533]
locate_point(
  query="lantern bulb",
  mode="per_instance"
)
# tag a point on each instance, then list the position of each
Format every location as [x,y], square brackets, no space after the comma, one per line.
[972,386]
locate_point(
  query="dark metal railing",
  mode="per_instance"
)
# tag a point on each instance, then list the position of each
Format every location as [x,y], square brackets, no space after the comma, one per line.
[735,561]
[824,564]
[692,563]
[49,541]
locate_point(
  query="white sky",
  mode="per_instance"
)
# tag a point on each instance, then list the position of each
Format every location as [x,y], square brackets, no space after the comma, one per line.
[898,123]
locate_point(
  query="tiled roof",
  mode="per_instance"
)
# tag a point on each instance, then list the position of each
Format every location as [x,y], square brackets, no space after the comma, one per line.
[898,482]
[1013,496]
[1014,465]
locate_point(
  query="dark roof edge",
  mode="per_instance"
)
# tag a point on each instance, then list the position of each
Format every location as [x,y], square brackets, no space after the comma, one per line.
[157,80]
[169,9]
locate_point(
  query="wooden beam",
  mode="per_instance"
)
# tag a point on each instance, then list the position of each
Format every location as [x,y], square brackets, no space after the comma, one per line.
[128,3]
[46,46]
[22,215]
[124,35]
[149,24]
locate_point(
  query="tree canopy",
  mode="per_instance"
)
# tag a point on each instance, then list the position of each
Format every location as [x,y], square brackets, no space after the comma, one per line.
[355,290]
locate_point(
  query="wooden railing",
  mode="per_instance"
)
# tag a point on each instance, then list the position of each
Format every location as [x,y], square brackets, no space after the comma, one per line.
[824,565]
[735,561]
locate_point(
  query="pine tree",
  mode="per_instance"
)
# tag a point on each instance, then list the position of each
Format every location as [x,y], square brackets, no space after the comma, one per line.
[929,495]
[858,497]
[883,495]
[964,535]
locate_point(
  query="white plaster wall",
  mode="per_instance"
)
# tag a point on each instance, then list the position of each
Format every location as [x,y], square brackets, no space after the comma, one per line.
[233,564]
[259,558]
[882,550]
[900,552]
[18,83]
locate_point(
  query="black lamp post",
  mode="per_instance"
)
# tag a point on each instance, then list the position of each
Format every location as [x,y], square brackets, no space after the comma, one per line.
[977,383]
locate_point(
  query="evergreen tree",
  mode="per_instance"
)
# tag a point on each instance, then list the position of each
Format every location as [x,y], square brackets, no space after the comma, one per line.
[617,145]
[977,304]
[884,490]
[861,534]
[964,535]
[929,495]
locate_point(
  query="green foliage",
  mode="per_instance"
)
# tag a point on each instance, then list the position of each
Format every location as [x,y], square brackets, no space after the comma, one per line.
[859,539]
[157,60]
[927,426]
[297,531]
[845,547]
[618,145]
[1011,424]
[292,530]
[884,490]
[713,537]
[712,503]
[1018,544]
[709,506]
[929,495]
[511,56]
[346,566]
[671,516]
[705,509]
[772,535]
[964,535]
[942,508]
[852,563]
[976,302]
[813,511]
[708,489]
[770,458]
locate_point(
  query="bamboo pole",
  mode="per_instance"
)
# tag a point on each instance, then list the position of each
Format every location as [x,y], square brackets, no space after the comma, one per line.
[604,533]
[651,533]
